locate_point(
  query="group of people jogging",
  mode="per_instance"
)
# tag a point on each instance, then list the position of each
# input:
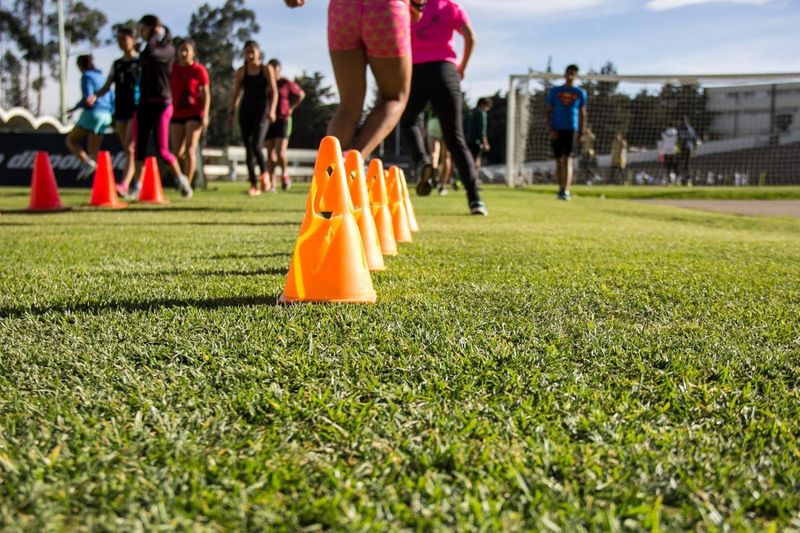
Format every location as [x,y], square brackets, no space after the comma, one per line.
[162,91]
[408,45]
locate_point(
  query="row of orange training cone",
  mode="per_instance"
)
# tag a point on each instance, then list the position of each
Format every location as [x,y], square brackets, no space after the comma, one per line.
[44,189]
[352,220]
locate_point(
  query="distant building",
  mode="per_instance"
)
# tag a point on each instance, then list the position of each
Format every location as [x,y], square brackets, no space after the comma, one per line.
[753,110]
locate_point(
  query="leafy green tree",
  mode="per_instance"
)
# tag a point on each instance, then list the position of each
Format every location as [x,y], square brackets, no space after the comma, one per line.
[311,119]
[15,31]
[220,34]
[83,25]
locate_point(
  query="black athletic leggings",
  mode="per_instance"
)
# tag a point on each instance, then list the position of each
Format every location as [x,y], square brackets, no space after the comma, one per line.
[254,126]
[438,83]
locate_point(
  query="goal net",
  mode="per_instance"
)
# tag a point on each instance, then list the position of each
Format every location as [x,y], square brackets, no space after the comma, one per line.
[666,129]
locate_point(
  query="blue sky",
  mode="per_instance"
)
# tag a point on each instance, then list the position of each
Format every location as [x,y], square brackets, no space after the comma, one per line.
[639,36]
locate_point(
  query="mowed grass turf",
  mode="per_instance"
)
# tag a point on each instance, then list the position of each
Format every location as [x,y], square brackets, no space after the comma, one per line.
[598,364]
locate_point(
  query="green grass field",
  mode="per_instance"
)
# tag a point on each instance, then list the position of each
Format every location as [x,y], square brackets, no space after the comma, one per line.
[679,193]
[598,364]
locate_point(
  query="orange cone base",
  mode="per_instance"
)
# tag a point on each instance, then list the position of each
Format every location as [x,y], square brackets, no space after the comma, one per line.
[109,205]
[286,300]
[163,201]
[48,209]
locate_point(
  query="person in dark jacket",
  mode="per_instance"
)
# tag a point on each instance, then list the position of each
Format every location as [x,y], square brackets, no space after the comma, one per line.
[154,111]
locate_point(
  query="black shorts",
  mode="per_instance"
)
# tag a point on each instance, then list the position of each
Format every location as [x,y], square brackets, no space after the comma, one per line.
[476,150]
[562,146]
[122,114]
[278,130]
[183,121]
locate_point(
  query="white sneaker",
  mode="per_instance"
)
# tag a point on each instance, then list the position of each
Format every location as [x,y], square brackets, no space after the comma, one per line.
[87,170]
[185,187]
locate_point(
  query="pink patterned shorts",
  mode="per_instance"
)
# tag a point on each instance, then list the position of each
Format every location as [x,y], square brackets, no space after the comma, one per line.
[381,27]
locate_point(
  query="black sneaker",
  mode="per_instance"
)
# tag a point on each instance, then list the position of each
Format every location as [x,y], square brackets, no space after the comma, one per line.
[478,208]
[425,174]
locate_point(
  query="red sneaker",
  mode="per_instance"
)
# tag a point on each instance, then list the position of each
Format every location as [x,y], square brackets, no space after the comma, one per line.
[286,182]
[253,191]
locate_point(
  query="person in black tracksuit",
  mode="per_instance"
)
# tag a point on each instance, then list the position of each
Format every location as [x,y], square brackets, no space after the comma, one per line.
[436,79]
[256,83]
[155,100]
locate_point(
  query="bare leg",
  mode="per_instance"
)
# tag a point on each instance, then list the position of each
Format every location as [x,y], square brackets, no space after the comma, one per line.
[93,144]
[283,155]
[350,70]
[73,142]
[191,141]
[435,149]
[568,172]
[177,133]
[447,167]
[125,134]
[272,156]
[393,76]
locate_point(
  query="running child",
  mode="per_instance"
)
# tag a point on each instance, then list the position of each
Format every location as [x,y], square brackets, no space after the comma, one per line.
[256,84]
[436,80]
[290,95]
[124,77]
[566,117]
[94,119]
[192,95]
[374,34]
[155,103]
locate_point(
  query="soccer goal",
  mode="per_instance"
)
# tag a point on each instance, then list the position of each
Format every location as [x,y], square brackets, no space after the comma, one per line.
[741,129]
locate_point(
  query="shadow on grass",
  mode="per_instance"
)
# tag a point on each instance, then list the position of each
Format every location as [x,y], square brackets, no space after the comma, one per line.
[246,256]
[132,306]
[218,273]
[156,224]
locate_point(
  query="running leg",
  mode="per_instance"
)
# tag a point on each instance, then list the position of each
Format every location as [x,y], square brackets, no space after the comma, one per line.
[447,102]
[393,76]
[191,141]
[350,71]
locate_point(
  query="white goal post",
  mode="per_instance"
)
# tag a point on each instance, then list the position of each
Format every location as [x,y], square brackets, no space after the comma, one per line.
[747,129]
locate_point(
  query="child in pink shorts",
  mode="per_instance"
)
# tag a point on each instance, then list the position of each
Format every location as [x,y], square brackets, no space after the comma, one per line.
[374,33]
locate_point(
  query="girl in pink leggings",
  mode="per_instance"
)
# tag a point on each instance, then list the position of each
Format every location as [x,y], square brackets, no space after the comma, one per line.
[374,33]
[155,102]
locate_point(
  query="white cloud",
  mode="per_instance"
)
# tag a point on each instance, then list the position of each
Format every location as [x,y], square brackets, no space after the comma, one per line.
[517,8]
[666,5]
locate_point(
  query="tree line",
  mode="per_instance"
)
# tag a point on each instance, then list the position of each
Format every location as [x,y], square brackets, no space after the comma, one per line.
[29,58]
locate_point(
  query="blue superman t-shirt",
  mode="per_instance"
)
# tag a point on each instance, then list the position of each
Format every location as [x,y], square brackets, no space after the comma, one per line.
[566,102]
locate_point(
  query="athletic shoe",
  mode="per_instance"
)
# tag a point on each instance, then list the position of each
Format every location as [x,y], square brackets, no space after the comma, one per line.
[122,190]
[133,190]
[286,182]
[185,187]
[478,208]
[425,174]
[568,195]
[265,182]
[87,169]
[253,191]
[442,191]
[455,184]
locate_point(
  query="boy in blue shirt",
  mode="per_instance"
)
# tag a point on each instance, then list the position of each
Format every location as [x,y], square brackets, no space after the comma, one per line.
[566,117]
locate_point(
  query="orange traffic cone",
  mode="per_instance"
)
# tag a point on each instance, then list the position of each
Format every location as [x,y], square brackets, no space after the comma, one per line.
[402,229]
[412,216]
[104,191]
[354,166]
[379,200]
[152,192]
[329,264]
[44,190]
